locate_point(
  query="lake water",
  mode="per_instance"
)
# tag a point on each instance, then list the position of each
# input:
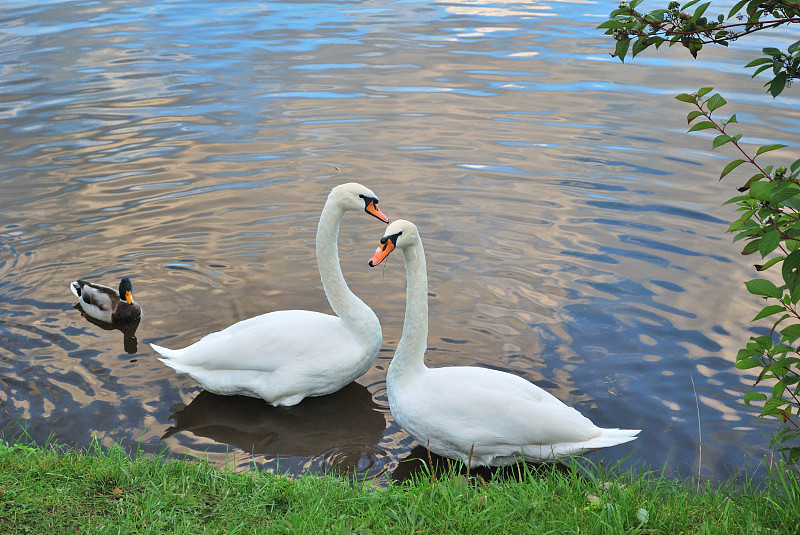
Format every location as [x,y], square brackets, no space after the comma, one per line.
[575,234]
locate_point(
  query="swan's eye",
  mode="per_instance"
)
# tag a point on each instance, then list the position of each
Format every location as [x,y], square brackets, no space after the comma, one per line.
[392,238]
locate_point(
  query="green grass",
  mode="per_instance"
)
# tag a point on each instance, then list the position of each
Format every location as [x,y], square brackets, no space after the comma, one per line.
[54,490]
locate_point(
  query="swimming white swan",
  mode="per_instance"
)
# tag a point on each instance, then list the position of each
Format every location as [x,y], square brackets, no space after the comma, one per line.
[285,356]
[106,304]
[496,416]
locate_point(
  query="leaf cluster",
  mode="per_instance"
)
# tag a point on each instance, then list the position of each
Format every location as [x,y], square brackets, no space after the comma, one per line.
[687,24]
[769,225]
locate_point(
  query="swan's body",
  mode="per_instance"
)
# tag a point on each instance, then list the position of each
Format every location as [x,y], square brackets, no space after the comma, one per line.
[107,304]
[285,356]
[486,417]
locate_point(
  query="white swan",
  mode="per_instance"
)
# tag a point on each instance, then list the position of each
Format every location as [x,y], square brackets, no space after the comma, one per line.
[285,356]
[456,411]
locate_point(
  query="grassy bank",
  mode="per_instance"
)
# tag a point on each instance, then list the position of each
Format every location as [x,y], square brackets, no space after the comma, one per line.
[56,490]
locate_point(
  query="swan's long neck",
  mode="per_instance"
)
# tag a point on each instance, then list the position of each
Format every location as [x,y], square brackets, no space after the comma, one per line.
[409,358]
[345,303]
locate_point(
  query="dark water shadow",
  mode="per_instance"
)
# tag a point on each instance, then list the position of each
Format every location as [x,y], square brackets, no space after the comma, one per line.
[128,329]
[344,428]
[415,466]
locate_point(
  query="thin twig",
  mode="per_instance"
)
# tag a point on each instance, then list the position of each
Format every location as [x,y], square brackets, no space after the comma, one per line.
[699,432]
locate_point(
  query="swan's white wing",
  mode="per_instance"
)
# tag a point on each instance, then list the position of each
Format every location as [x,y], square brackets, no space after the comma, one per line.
[498,413]
[296,338]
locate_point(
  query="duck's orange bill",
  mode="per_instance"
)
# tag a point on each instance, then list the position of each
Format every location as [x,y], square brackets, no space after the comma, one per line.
[381,253]
[372,208]
[129,297]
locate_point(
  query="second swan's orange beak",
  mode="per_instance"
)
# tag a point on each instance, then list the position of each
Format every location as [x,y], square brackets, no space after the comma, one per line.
[372,209]
[382,252]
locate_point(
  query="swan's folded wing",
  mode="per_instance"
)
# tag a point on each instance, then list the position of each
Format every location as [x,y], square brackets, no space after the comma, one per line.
[492,408]
[267,342]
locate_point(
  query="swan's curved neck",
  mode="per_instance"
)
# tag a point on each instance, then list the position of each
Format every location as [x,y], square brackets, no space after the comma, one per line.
[410,355]
[344,302]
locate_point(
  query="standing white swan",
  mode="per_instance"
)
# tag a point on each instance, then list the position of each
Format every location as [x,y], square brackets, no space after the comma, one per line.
[458,411]
[285,356]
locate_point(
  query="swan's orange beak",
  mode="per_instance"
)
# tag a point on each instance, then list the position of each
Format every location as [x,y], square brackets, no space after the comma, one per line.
[372,209]
[382,252]
[129,297]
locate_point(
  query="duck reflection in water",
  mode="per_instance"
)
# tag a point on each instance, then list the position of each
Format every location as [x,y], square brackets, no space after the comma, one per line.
[345,426]
[128,330]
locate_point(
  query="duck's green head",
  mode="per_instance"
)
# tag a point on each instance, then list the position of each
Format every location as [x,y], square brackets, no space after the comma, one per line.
[126,290]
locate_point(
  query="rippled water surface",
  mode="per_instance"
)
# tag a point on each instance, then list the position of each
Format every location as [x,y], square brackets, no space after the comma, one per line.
[575,234]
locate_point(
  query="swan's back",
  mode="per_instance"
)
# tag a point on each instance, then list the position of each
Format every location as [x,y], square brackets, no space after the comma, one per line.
[500,416]
[295,353]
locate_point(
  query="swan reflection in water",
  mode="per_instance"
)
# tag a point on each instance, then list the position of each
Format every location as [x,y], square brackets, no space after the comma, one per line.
[128,330]
[344,427]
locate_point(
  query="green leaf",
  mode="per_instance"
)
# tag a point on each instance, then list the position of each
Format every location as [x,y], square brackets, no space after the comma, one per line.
[772,404]
[699,11]
[640,44]
[736,8]
[771,262]
[716,102]
[759,61]
[761,190]
[686,97]
[721,140]
[733,120]
[730,167]
[769,242]
[750,248]
[747,363]
[693,115]
[790,271]
[778,83]
[703,125]
[763,287]
[622,48]
[751,396]
[735,199]
[771,51]
[791,332]
[792,202]
[769,310]
[760,70]
[784,191]
[612,24]
[703,91]
[767,148]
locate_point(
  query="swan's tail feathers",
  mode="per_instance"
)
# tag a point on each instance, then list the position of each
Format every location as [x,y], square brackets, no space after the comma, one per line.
[75,288]
[612,437]
[168,354]
[605,439]
[175,359]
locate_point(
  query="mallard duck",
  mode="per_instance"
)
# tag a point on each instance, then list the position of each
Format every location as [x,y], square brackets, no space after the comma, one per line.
[481,416]
[288,355]
[104,303]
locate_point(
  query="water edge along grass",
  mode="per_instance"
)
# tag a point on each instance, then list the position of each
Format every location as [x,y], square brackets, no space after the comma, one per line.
[55,489]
